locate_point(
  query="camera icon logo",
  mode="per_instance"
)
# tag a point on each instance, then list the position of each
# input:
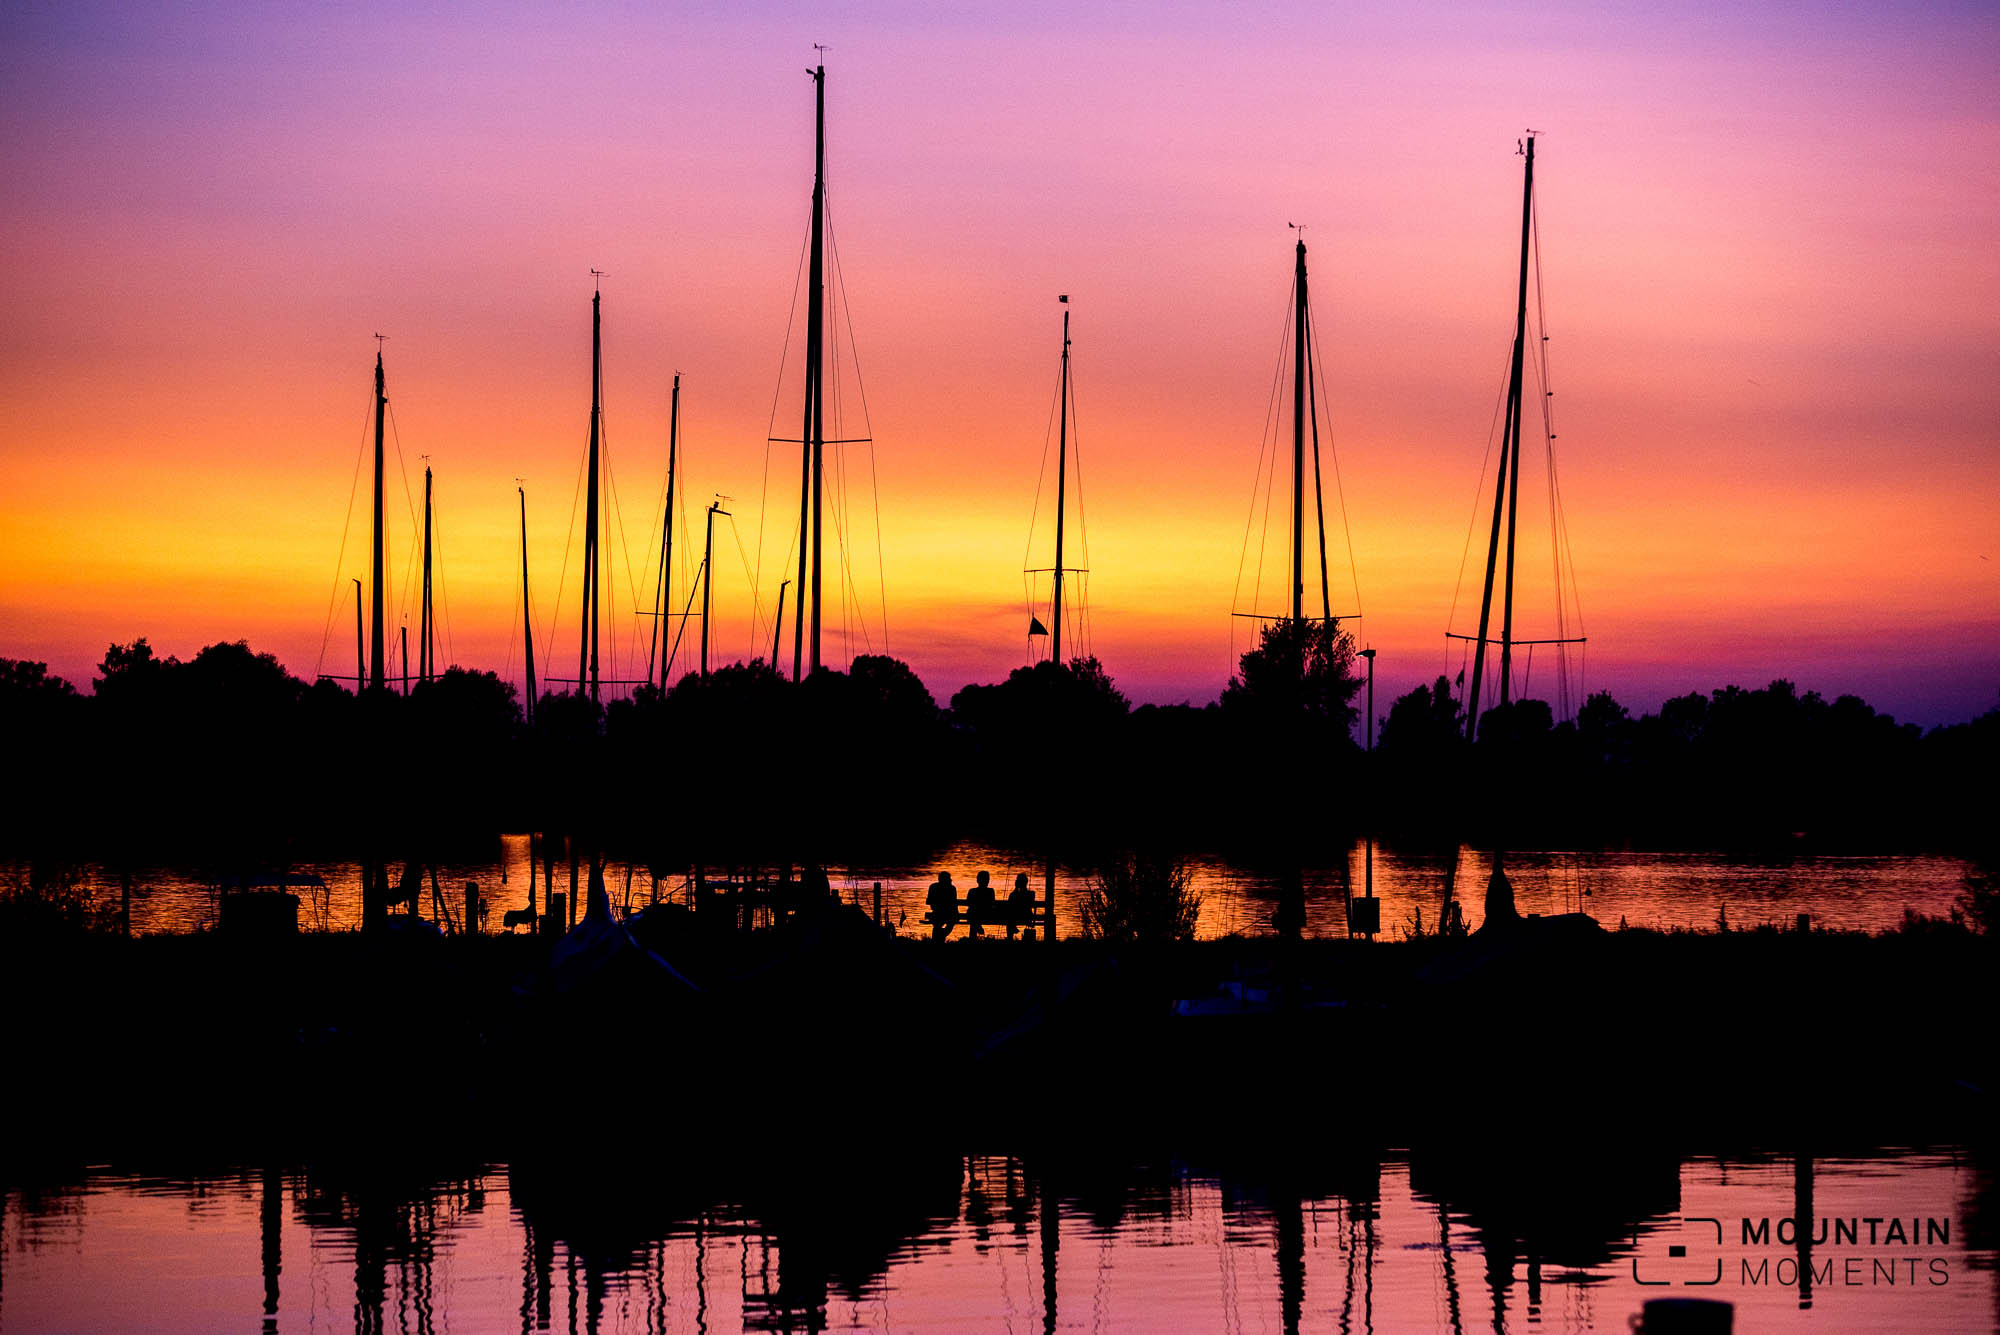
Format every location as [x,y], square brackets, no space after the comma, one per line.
[1688,1254]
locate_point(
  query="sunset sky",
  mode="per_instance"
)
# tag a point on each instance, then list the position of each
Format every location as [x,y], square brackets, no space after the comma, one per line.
[1771,238]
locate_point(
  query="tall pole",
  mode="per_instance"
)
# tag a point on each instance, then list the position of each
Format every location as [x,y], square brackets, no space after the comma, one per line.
[1513,429]
[375,659]
[664,602]
[587,647]
[427,628]
[1319,488]
[1299,440]
[1062,471]
[1368,864]
[360,645]
[708,577]
[1507,482]
[527,636]
[778,624]
[815,432]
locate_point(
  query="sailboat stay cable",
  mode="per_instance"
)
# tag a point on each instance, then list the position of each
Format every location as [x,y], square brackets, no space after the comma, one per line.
[1319,485]
[658,588]
[1034,509]
[1339,486]
[1562,554]
[410,558]
[440,598]
[562,577]
[625,549]
[770,433]
[513,625]
[700,573]
[1478,499]
[1265,449]
[1081,604]
[838,287]
[353,490]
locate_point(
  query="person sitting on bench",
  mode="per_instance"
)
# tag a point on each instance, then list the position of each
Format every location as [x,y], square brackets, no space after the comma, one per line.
[980,907]
[1021,907]
[943,901]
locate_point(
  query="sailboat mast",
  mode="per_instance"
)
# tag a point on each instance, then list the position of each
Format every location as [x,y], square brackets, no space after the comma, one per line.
[426,627]
[708,577]
[375,658]
[1506,483]
[1513,428]
[1062,471]
[665,603]
[587,646]
[778,623]
[1299,440]
[527,632]
[815,425]
[1319,487]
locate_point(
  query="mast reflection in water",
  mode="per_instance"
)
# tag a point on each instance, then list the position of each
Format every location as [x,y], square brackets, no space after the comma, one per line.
[637,1240]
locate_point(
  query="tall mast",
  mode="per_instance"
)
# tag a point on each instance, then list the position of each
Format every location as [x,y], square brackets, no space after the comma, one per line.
[375,658]
[664,602]
[527,624]
[1506,487]
[814,433]
[778,624]
[1319,487]
[1513,428]
[427,626]
[1299,440]
[708,576]
[1062,468]
[587,646]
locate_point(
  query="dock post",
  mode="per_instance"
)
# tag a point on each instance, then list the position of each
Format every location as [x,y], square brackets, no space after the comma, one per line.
[472,909]
[878,903]
[552,921]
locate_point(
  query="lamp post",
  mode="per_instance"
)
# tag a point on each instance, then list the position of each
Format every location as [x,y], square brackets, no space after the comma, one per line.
[1371,916]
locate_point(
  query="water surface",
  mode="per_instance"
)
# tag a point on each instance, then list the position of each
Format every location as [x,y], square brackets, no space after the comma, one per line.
[1664,890]
[997,1243]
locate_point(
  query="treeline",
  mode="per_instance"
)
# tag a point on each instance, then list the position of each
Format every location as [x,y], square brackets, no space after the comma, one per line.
[226,759]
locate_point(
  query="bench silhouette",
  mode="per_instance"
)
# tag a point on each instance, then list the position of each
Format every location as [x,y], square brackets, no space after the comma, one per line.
[1003,916]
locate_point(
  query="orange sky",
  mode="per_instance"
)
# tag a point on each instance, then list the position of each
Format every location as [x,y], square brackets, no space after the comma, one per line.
[1772,290]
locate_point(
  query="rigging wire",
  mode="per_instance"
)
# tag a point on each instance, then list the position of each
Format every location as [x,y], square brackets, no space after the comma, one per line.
[1333,450]
[353,490]
[1266,446]
[562,576]
[1082,601]
[867,420]
[770,429]
[440,598]
[1478,496]
[1035,507]
[410,559]
[625,549]
[1562,555]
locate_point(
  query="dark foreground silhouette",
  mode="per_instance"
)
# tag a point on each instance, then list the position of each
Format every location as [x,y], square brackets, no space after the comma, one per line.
[228,760]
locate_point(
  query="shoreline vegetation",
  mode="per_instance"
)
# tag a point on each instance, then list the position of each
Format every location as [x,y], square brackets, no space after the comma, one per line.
[226,760]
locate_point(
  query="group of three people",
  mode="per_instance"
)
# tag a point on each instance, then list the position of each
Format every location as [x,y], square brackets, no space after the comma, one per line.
[981,906]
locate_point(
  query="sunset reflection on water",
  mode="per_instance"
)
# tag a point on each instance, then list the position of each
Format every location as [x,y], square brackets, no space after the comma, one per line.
[950,1243]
